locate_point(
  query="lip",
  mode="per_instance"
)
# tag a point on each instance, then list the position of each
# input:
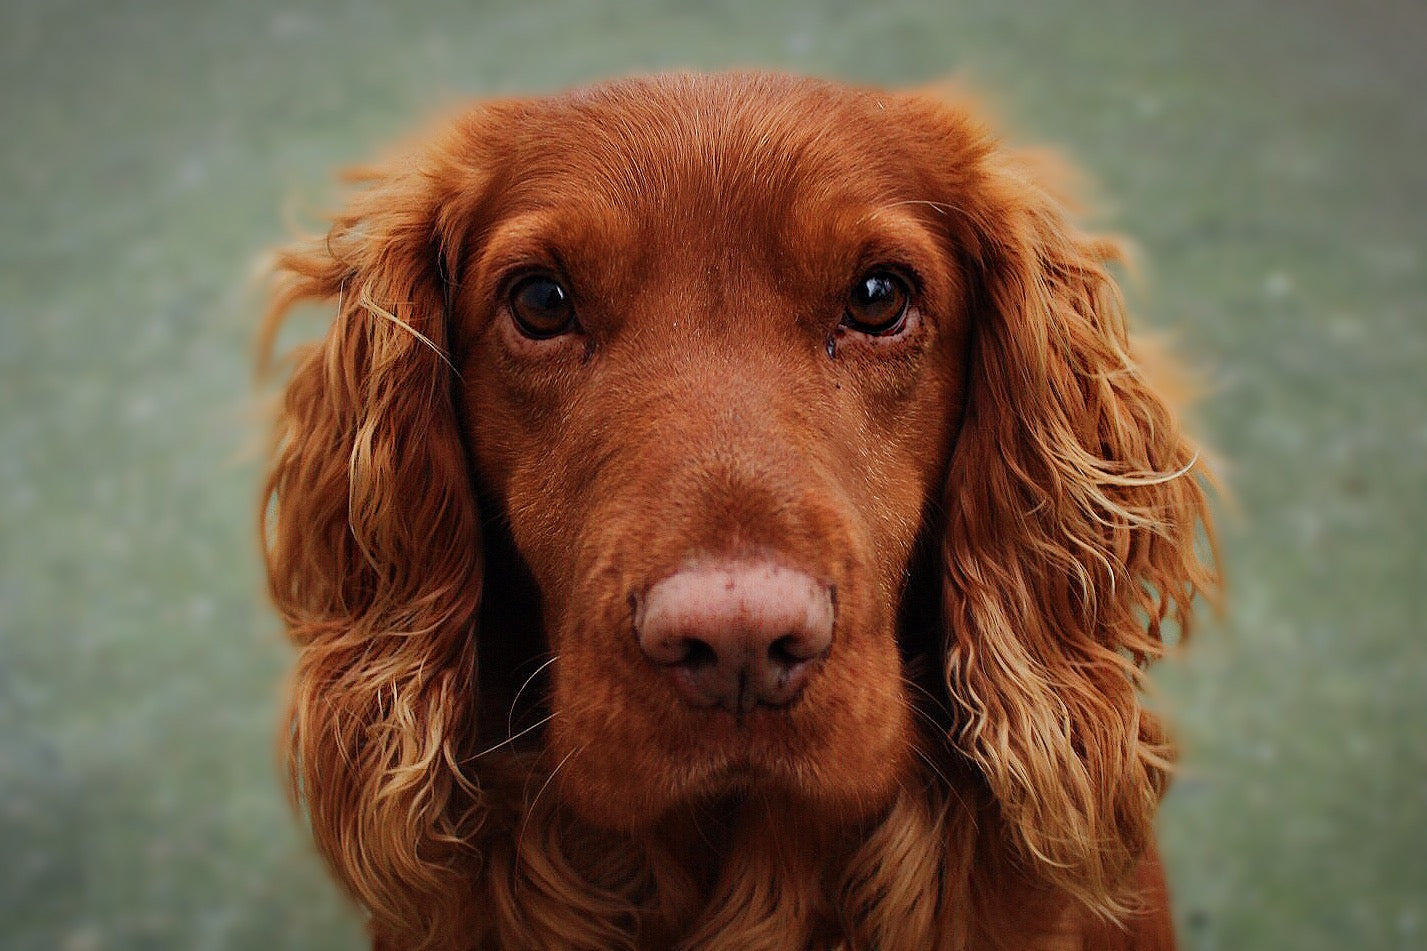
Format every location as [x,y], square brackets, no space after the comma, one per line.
[764,743]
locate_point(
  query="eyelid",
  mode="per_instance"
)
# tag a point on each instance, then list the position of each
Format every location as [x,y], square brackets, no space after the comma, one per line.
[513,273]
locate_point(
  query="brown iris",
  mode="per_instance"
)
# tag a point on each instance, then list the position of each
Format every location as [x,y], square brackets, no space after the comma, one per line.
[877,304]
[541,307]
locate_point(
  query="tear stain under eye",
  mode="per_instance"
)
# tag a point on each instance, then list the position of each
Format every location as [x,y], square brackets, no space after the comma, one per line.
[832,346]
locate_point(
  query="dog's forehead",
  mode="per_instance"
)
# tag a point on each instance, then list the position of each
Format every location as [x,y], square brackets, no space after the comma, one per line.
[694,179]
[681,146]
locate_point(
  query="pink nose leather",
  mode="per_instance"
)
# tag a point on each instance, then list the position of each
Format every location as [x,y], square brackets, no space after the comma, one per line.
[737,634]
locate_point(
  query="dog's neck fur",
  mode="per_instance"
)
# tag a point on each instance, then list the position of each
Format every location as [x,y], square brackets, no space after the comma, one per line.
[747,870]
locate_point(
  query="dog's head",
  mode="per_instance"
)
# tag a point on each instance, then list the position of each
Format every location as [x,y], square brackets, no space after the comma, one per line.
[775,437]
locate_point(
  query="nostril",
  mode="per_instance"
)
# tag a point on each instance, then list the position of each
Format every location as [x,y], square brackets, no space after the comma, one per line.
[788,650]
[698,655]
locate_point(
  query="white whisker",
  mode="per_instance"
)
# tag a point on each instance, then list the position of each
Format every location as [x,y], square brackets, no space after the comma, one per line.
[513,737]
[510,719]
[530,809]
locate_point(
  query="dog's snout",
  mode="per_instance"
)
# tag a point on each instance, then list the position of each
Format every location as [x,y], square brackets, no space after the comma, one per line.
[737,635]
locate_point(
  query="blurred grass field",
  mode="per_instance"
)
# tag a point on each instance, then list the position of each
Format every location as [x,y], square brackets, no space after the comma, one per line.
[1268,158]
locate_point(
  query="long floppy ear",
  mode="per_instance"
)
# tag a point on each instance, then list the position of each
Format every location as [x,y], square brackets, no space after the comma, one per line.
[372,544]
[1074,509]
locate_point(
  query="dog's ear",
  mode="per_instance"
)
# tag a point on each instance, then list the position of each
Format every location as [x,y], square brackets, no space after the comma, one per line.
[372,539]
[1074,513]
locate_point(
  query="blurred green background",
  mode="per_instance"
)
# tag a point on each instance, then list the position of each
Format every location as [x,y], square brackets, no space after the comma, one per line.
[1268,157]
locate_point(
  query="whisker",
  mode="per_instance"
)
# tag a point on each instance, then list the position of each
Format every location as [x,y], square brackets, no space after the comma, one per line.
[936,770]
[549,779]
[512,737]
[938,704]
[530,810]
[510,719]
[940,207]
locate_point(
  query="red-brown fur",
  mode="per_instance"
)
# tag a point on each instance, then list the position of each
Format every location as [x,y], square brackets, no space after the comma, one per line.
[1006,508]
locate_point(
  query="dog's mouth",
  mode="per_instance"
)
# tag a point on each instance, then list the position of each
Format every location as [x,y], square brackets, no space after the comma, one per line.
[836,748]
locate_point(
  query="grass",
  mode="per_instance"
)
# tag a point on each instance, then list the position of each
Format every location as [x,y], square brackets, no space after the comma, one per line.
[1267,157]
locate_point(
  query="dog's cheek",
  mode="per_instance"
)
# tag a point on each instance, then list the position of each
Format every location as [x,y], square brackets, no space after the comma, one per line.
[612,766]
[863,715]
[610,769]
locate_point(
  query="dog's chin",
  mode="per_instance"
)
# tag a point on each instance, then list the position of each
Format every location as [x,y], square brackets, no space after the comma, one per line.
[624,792]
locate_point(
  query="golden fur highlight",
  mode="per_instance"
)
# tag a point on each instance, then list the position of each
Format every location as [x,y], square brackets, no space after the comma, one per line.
[1075,514]
[376,583]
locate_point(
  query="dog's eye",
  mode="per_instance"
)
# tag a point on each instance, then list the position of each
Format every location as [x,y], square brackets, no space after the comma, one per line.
[541,307]
[877,304]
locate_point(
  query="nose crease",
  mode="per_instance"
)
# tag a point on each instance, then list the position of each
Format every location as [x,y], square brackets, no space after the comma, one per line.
[736,634]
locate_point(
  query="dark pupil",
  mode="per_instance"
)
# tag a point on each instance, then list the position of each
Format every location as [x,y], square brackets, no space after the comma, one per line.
[543,295]
[877,300]
[542,305]
[876,292]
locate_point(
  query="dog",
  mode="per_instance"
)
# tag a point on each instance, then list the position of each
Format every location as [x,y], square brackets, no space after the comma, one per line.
[727,511]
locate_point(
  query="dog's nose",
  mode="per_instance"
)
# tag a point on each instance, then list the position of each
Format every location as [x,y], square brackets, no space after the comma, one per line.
[737,635]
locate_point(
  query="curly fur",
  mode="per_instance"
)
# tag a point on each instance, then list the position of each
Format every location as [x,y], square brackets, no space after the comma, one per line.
[1062,528]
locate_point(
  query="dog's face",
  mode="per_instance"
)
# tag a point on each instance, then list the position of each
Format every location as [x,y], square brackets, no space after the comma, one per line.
[794,434]
[732,340]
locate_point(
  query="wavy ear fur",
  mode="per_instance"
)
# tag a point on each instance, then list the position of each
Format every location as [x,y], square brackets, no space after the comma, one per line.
[1074,509]
[372,546]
